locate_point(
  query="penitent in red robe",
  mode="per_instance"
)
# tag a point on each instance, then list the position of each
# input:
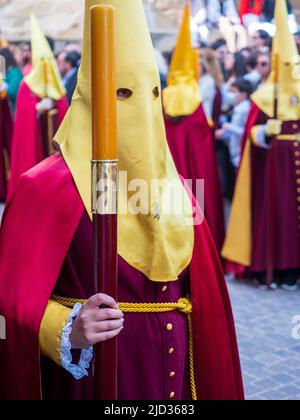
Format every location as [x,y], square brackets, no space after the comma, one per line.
[6,129]
[27,146]
[193,149]
[51,250]
[275,201]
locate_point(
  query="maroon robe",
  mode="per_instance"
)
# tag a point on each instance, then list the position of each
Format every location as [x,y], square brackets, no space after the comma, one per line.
[192,145]
[145,374]
[6,128]
[27,146]
[51,250]
[276,201]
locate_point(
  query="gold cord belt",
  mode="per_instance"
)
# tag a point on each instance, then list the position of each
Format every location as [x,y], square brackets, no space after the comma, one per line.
[288,137]
[183,305]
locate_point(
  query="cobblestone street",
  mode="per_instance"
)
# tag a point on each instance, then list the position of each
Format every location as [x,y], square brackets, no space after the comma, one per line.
[270,356]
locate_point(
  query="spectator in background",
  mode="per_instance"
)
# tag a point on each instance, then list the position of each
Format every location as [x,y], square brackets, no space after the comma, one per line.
[73,47]
[253,76]
[232,132]
[221,50]
[269,9]
[222,15]
[261,41]
[264,64]
[26,58]
[235,67]
[250,11]
[246,52]
[210,82]
[13,76]
[68,64]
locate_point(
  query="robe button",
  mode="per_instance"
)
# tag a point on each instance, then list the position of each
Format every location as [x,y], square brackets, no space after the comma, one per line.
[295,126]
[297,163]
[172,395]
[297,154]
[164,288]
[169,327]
[171,350]
[172,374]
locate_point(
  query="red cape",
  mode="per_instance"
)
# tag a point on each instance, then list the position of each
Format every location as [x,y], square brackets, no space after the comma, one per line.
[6,128]
[27,150]
[193,149]
[34,241]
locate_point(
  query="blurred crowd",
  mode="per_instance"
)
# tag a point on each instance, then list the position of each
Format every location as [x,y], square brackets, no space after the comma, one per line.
[235,47]
[234,61]
[18,64]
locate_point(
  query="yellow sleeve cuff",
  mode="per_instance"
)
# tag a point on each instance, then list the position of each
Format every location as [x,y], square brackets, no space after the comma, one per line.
[54,320]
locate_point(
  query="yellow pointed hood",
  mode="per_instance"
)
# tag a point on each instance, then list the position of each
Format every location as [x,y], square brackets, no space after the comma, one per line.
[44,79]
[157,244]
[182,96]
[284,47]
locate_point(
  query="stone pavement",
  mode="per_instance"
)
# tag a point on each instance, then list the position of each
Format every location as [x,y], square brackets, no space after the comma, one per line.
[270,356]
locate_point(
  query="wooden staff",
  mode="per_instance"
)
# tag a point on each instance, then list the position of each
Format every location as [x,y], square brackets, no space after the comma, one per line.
[104,184]
[48,121]
[271,182]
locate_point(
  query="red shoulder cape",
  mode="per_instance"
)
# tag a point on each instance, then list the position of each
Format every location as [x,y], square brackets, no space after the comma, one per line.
[27,148]
[39,224]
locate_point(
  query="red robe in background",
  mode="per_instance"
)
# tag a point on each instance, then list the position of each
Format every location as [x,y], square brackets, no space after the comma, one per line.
[275,198]
[192,145]
[27,147]
[51,247]
[6,129]
[277,169]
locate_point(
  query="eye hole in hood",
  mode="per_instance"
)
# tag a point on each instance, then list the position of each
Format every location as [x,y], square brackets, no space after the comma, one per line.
[124,93]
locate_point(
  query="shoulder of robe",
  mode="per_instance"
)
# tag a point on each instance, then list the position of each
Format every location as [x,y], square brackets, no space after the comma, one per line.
[48,176]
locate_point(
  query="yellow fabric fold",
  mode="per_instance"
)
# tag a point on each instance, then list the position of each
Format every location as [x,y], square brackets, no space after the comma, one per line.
[44,79]
[238,243]
[288,68]
[182,96]
[54,320]
[157,243]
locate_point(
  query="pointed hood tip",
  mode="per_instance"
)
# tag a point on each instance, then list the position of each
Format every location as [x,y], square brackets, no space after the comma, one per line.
[44,79]
[182,97]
